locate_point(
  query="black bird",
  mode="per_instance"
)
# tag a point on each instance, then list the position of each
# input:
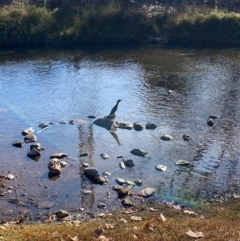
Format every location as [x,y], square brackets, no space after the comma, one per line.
[114,109]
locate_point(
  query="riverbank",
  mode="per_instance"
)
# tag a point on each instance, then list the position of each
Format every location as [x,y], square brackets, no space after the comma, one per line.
[109,23]
[150,221]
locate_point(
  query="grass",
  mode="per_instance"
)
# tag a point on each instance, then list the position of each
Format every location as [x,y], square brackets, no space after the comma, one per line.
[216,222]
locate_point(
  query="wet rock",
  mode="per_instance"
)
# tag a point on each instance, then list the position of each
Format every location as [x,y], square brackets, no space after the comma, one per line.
[30,138]
[213,117]
[86,191]
[63,164]
[116,187]
[37,146]
[166,138]
[61,214]
[54,166]
[43,125]
[62,122]
[85,165]
[120,156]
[83,154]
[187,137]
[138,126]
[2,193]
[130,183]
[122,165]
[92,117]
[147,192]
[210,122]
[126,202]
[10,176]
[33,153]
[124,125]
[104,156]
[138,152]
[150,126]
[91,171]
[138,182]
[18,143]
[71,122]
[107,174]
[29,130]
[59,155]
[160,167]
[106,122]
[183,163]
[120,181]
[101,205]
[123,192]
[100,179]
[128,163]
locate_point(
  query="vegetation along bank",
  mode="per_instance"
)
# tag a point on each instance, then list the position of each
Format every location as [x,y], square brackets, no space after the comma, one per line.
[113,22]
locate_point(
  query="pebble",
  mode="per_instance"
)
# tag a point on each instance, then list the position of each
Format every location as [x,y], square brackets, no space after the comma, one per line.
[104,156]
[147,192]
[120,181]
[150,126]
[183,163]
[139,152]
[160,167]
[166,138]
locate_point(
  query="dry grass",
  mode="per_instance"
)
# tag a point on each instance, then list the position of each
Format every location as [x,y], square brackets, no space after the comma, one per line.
[216,222]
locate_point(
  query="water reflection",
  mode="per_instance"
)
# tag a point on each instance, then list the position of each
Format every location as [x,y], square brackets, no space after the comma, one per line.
[56,85]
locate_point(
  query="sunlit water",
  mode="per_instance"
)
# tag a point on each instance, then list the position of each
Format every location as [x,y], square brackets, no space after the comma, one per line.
[61,85]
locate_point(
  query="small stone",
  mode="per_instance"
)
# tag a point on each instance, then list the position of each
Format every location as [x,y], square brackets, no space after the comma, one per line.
[138,152]
[18,143]
[122,165]
[101,205]
[61,214]
[83,154]
[147,192]
[166,138]
[54,166]
[138,126]
[43,125]
[128,163]
[86,191]
[62,122]
[150,126]
[122,192]
[91,171]
[160,167]
[120,156]
[104,156]
[30,138]
[138,182]
[116,187]
[129,183]
[34,153]
[187,137]
[91,117]
[124,125]
[213,117]
[10,177]
[120,181]
[59,155]
[37,146]
[210,122]
[85,165]
[100,179]
[71,122]
[63,164]
[126,202]
[183,163]
[28,131]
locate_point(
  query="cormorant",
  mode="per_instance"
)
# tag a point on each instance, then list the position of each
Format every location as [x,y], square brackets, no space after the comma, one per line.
[114,109]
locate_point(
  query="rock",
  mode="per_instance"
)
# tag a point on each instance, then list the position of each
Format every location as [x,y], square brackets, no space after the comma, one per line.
[210,122]
[124,125]
[129,183]
[106,122]
[59,155]
[100,179]
[18,143]
[187,137]
[147,192]
[63,164]
[138,126]
[138,152]
[120,156]
[160,167]
[116,187]
[101,205]
[34,153]
[37,146]
[169,92]
[213,117]
[30,138]
[71,122]
[83,154]
[122,165]
[128,163]
[104,156]
[120,181]
[166,138]
[10,176]
[183,163]
[54,166]
[85,165]
[107,174]
[150,126]
[43,125]
[28,131]
[122,192]
[86,191]
[138,182]
[61,214]
[92,117]
[126,202]
[62,122]
[91,171]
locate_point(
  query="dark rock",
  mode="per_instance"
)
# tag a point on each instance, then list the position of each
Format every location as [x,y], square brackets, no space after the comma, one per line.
[124,125]
[116,187]
[92,117]
[150,126]
[213,117]
[54,166]
[37,146]
[30,138]
[187,137]
[62,122]
[123,192]
[122,165]
[59,155]
[83,154]
[61,214]
[183,163]
[101,205]
[138,152]
[126,202]
[106,122]
[210,122]
[138,182]
[18,143]
[91,171]
[128,163]
[71,122]
[63,164]
[33,153]
[43,125]
[138,126]
[27,131]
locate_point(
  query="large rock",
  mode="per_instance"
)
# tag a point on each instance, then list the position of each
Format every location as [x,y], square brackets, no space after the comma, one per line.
[54,166]
[124,125]
[147,192]
[138,126]
[106,122]
[139,152]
